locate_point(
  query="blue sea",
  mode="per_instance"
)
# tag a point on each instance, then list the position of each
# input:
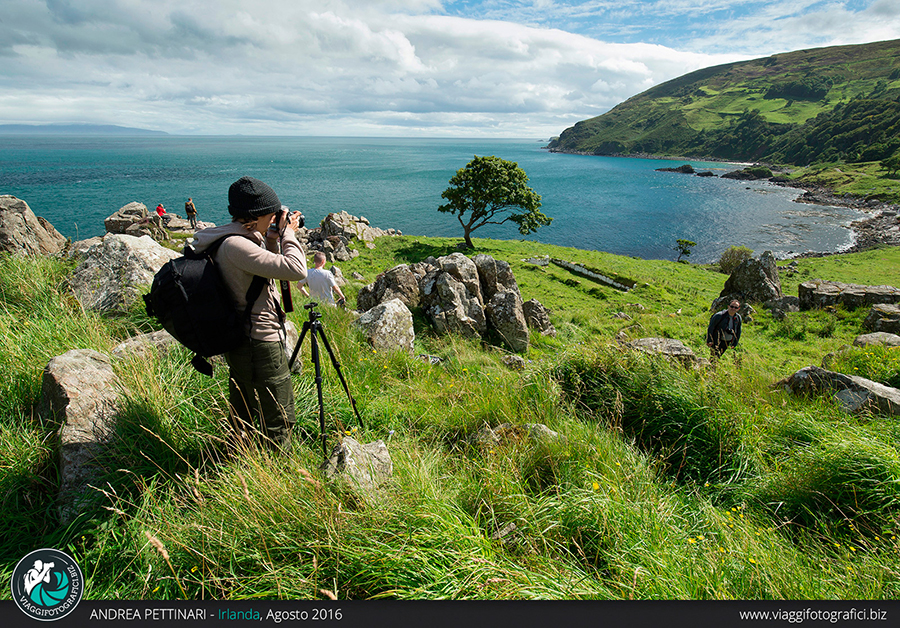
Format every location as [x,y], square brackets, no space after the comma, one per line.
[618,205]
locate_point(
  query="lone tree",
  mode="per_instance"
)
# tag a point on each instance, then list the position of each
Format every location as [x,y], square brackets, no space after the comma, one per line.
[683,247]
[488,189]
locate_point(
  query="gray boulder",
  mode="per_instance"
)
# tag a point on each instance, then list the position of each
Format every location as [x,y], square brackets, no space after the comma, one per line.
[111,274]
[781,307]
[143,344]
[79,395]
[24,233]
[77,249]
[494,276]
[465,271]
[537,317]
[451,307]
[755,280]
[513,362]
[666,347]
[505,316]
[388,326]
[365,466]
[397,283]
[856,394]
[489,436]
[817,294]
[881,338]
[124,217]
[352,228]
[883,317]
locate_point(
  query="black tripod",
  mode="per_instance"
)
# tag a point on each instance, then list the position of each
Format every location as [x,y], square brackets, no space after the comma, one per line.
[314,325]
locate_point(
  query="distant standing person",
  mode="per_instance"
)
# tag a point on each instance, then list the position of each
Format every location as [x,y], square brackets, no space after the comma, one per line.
[321,282]
[191,212]
[724,329]
[161,212]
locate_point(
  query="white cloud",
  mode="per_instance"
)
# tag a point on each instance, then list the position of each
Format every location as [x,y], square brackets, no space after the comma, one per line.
[394,67]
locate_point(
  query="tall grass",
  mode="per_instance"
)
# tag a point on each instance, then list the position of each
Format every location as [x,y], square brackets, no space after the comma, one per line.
[663,482]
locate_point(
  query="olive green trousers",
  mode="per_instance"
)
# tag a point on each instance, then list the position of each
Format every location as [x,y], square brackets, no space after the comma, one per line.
[260,393]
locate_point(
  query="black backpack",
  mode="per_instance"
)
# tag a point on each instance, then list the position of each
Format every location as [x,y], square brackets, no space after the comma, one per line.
[192,303]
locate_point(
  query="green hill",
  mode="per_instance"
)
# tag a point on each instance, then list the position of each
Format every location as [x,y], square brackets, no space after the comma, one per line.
[839,103]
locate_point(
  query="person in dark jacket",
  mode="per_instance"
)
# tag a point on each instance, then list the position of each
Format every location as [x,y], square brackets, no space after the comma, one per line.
[724,329]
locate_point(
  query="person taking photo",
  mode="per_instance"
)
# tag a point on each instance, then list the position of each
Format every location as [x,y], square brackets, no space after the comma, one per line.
[260,394]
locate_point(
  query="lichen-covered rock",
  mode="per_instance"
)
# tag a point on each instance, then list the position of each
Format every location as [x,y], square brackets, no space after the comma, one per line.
[24,233]
[755,280]
[538,318]
[397,283]
[817,294]
[388,326]
[856,394]
[494,276]
[667,347]
[883,317]
[111,275]
[365,466]
[878,338]
[451,307]
[79,394]
[505,316]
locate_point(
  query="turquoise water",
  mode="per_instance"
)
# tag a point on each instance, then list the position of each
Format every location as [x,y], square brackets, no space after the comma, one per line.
[611,204]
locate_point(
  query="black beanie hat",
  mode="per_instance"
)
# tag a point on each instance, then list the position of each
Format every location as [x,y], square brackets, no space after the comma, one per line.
[251,198]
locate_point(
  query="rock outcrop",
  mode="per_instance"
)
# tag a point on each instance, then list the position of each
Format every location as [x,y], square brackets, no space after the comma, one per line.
[24,233]
[856,394]
[883,317]
[111,274]
[538,318]
[451,307]
[79,394]
[666,347]
[397,283]
[142,344]
[755,280]
[462,295]
[505,315]
[817,294]
[878,338]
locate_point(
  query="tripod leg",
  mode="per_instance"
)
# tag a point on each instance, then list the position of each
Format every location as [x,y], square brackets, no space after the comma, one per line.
[314,349]
[337,367]
[297,346]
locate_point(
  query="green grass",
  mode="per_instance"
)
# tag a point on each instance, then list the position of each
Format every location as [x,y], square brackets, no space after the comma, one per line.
[865,180]
[665,483]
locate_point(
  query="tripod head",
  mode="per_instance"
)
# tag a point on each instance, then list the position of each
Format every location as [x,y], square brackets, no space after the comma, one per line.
[313,314]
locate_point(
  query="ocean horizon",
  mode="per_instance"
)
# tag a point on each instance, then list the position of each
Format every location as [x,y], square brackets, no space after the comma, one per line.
[615,204]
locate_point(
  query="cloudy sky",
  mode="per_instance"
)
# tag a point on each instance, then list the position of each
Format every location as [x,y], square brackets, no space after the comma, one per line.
[432,68]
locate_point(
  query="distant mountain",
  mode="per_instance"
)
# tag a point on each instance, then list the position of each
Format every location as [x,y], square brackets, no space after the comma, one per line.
[840,103]
[73,129]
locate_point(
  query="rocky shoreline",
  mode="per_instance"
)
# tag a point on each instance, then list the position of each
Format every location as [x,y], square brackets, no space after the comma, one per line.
[881,227]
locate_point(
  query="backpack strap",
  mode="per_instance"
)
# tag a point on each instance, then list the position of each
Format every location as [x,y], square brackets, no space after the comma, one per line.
[256,285]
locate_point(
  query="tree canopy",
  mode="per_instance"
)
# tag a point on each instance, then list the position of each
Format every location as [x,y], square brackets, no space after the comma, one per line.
[488,191]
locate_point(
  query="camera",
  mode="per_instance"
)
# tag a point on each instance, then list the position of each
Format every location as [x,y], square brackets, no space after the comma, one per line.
[285,215]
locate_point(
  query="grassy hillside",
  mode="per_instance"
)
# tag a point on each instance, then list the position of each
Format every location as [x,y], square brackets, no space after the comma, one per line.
[797,108]
[668,482]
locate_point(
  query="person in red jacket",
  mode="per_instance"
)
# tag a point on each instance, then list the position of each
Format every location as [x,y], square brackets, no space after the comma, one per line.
[161,212]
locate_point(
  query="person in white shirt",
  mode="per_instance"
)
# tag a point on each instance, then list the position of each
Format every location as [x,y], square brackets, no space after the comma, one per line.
[321,283]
